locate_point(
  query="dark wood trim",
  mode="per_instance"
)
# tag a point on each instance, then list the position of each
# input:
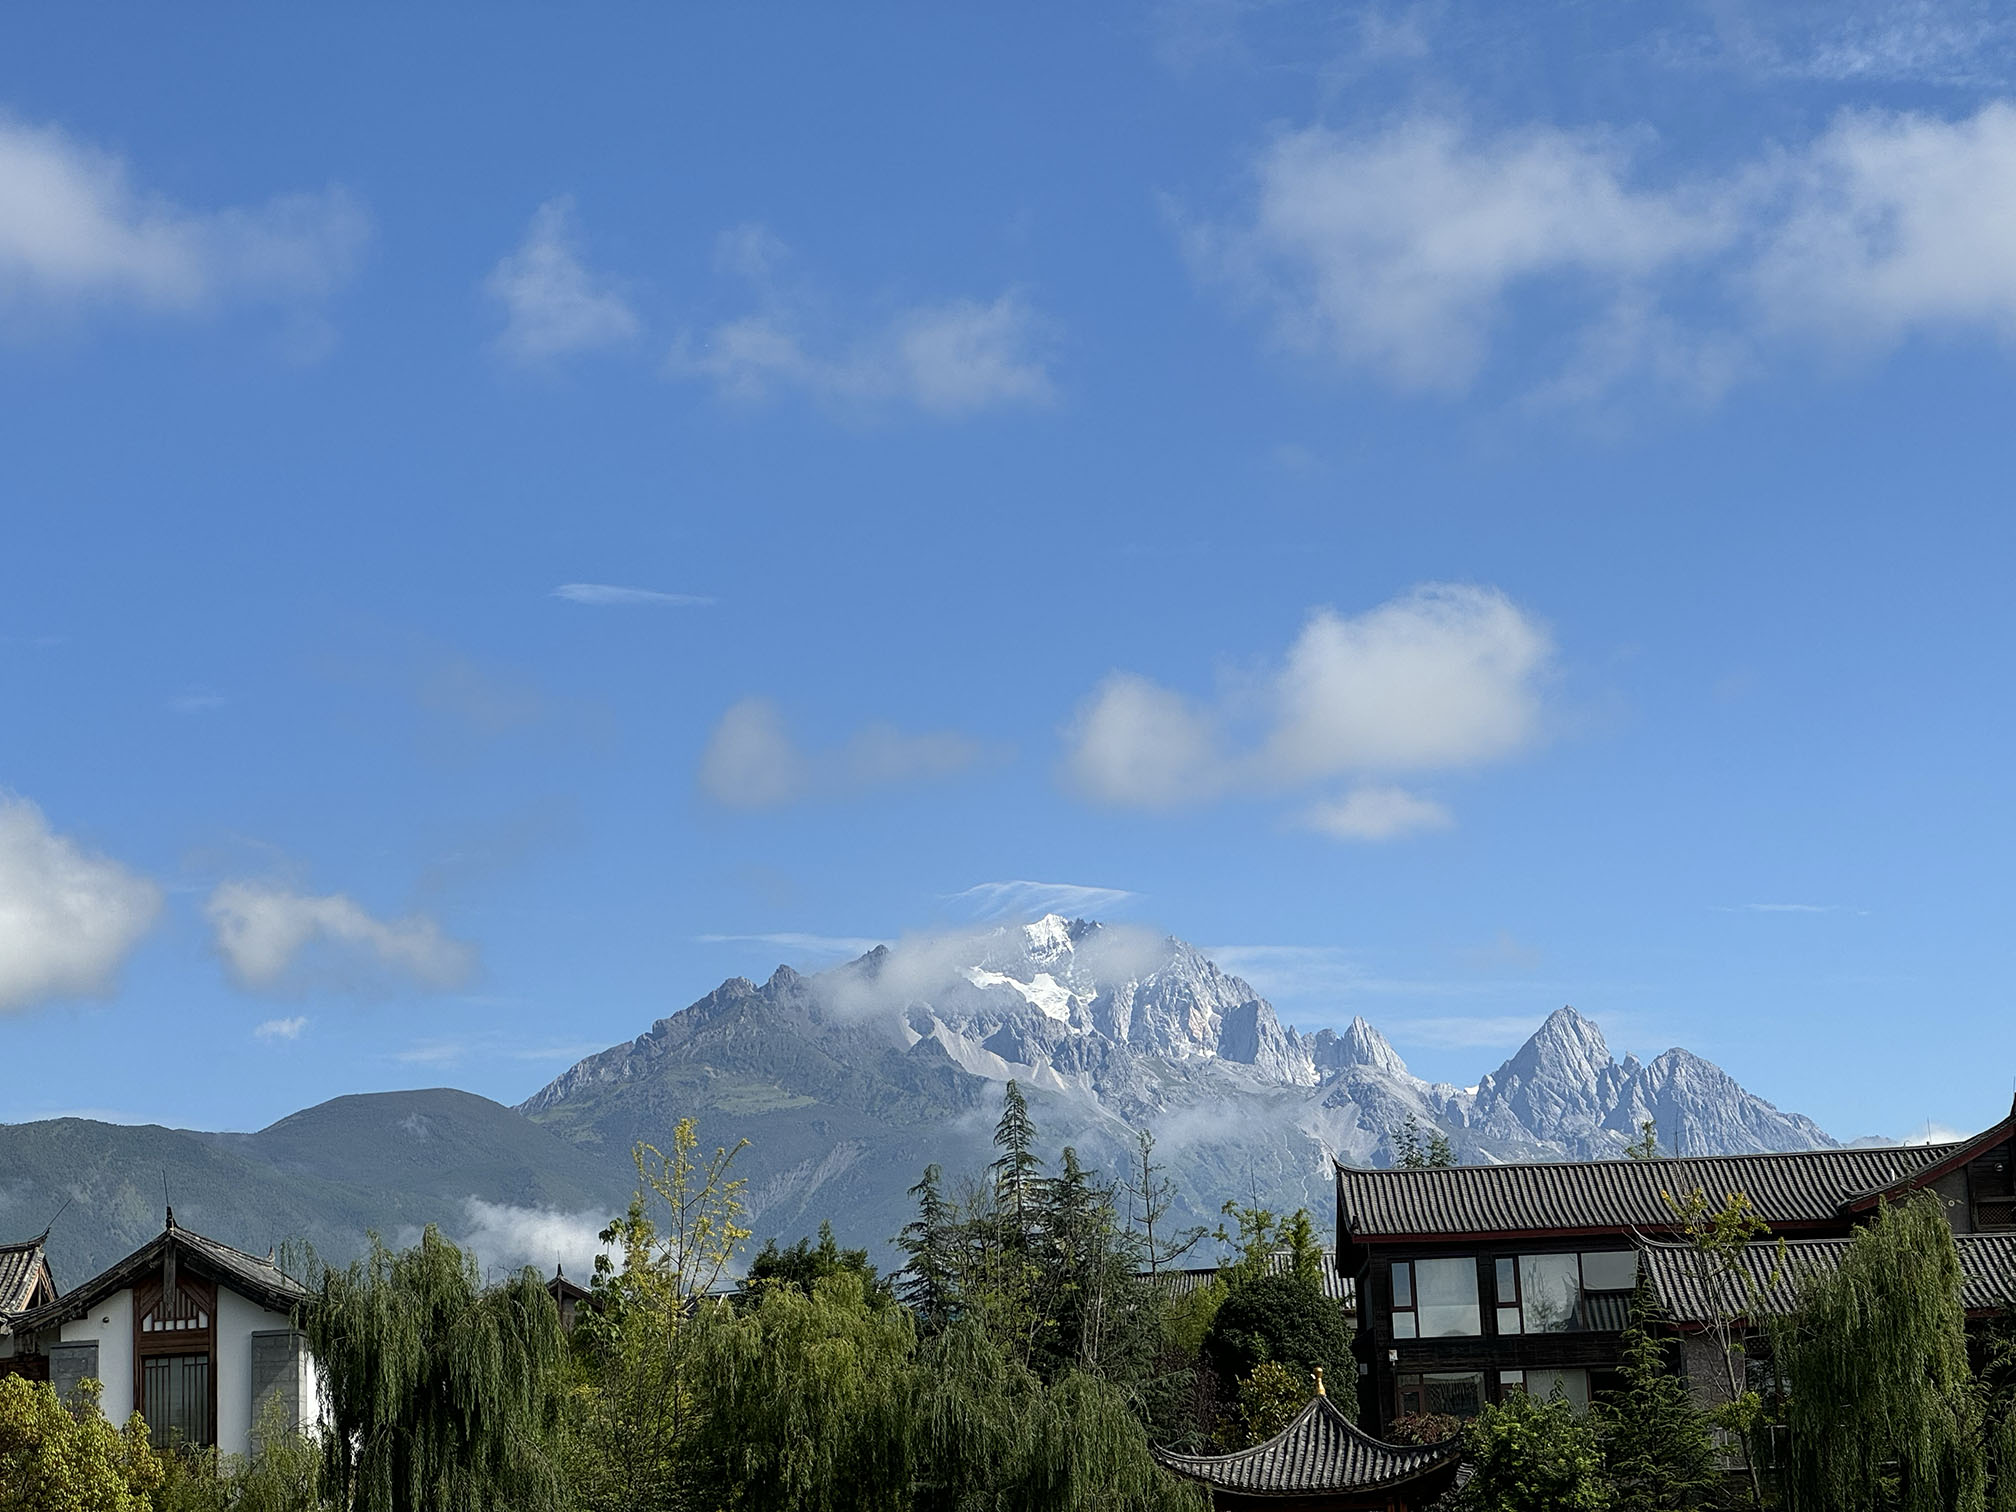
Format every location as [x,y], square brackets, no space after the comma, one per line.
[180,1341]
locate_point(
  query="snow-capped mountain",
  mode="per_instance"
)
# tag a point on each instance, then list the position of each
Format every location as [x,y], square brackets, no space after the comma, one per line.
[849,1082]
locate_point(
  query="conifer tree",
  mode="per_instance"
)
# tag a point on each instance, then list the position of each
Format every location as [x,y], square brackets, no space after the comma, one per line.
[1408,1152]
[1441,1153]
[1019,1168]
[928,1285]
[1148,1184]
[1658,1445]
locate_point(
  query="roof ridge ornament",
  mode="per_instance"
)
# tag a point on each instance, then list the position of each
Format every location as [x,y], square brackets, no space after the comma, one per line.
[1319,1382]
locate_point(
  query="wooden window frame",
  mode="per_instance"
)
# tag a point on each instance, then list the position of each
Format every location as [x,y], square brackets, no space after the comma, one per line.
[152,1343]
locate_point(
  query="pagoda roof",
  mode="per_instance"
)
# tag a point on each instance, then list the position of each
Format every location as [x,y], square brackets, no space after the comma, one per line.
[1321,1451]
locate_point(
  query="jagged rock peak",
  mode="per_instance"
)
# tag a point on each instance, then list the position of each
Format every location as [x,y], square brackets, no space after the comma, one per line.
[1359,1046]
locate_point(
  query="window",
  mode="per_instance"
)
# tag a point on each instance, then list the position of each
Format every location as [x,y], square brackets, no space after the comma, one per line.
[1991,1182]
[1585,1293]
[1572,1384]
[175,1399]
[1450,1393]
[1436,1299]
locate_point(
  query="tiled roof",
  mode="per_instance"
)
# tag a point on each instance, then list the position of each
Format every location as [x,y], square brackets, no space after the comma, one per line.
[1337,1286]
[1807,1186]
[260,1280]
[1322,1450]
[1686,1295]
[20,1268]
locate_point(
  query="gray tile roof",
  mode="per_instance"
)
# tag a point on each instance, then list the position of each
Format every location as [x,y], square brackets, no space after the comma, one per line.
[1336,1286]
[1615,1196]
[1685,1295]
[260,1280]
[20,1267]
[1322,1450]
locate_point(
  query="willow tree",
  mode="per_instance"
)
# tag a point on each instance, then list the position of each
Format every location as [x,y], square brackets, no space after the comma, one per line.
[440,1390]
[1882,1410]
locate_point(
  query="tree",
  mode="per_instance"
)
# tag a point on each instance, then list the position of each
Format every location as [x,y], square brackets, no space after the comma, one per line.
[1718,1242]
[1881,1408]
[439,1390]
[1278,1318]
[64,1457]
[633,1409]
[929,1284]
[1441,1153]
[1534,1454]
[1408,1152]
[1156,1192]
[1019,1169]
[1268,1400]
[809,1401]
[1646,1145]
[1658,1445]
[804,1264]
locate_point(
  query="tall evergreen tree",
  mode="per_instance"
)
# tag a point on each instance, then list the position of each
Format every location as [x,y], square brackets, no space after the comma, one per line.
[1151,1186]
[1882,1410]
[1018,1170]
[928,1284]
[1658,1445]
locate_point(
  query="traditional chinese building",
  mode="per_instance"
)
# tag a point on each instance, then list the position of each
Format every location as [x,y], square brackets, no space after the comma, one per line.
[1323,1462]
[1477,1280]
[198,1337]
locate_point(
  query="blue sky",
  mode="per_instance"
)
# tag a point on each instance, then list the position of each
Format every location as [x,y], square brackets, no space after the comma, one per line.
[512,517]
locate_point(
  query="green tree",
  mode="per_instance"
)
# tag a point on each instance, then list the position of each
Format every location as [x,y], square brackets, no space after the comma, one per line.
[929,1284]
[1277,1318]
[1155,1191]
[809,1398]
[1719,1241]
[1882,1410]
[632,1408]
[1646,1145]
[1658,1445]
[1534,1454]
[1267,1401]
[804,1264]
[1441,1153]
[440,1391]
[64,1457]
[1409,1154]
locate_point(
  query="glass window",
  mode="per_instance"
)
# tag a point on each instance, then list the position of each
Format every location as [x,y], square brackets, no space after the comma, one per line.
[1610,1270]
[1508,1281]
[1572,1384]
[1551,1293]
[175,1399]
[1453,1393]
[1403,1284]
[1445,1297]
[1403,1325]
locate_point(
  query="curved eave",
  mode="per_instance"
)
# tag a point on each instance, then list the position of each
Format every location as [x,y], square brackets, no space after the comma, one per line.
[1235,1473]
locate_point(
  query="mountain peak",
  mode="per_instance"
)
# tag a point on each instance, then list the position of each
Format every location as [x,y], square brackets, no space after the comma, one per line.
[1051,937]
[1359,1046]
[1568,1032]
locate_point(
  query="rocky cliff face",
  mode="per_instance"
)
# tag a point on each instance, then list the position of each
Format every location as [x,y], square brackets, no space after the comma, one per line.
[849,1082]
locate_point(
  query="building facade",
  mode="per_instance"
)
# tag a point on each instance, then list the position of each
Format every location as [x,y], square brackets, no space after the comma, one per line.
[197,1337]
[1473,1281]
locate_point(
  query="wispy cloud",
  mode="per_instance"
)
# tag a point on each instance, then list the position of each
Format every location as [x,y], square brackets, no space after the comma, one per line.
[75,233]
[811,944]
[1025,899]
[610,596]
[1446,677]
[504,1236]
[272,937]
[69,918]
[753,761]
[436,1052]
[569,1053]
[197,701]
[1291,971]
[948,358]
[1401,251]
[280,1029]
[553,305]
[1465,1033]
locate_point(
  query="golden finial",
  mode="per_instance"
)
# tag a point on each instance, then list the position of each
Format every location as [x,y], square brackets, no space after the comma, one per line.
[1319,1380]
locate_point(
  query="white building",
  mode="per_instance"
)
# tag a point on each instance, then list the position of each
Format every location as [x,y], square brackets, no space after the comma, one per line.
[198,1337]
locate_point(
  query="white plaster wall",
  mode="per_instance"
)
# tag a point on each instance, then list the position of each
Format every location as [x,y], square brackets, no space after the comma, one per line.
[237,1320]
[111,1324]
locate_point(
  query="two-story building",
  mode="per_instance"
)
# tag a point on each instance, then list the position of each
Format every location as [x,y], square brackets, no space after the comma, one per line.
[199,1338]
[1476,1280]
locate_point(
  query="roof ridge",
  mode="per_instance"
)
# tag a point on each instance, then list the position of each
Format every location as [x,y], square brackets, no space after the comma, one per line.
[1857,1152]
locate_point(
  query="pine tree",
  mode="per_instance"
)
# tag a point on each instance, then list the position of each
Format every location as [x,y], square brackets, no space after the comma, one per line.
[928,1284]
[1018,1170]
[1658,1445]
[1882,1411]
[1156,1192]
[1408,1154]
[1441,1153]
[1646,1145]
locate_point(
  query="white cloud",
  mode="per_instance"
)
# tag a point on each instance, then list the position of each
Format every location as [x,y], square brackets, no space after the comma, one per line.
[1405,251]
[1443,678]
[266,932]
[280,1029]
[507,1237]
[68,918]
[752,761]
[1459,1033]
[73,231]
[432,1053]
[1023,899]
[608,595]
[553,305]
[1933,1132]
[1376,813]
[948,358]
